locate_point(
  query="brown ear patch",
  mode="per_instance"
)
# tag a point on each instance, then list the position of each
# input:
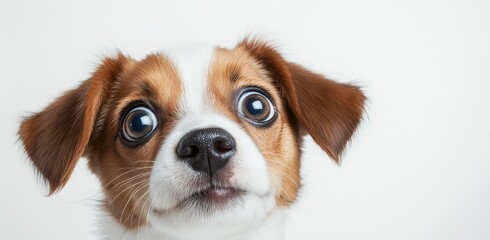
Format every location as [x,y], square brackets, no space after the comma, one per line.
[329,111]
[55,138]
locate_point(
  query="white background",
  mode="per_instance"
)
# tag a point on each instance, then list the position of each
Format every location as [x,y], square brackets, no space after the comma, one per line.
[418,168]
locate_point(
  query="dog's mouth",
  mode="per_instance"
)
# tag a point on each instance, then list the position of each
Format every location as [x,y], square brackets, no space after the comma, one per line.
[209,199]
[218,195]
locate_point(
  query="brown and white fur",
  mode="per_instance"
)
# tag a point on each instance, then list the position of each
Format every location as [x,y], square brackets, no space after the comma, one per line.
[149,191]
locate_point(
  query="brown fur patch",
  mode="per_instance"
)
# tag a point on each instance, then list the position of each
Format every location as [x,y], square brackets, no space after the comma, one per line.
[87,120]
[327,110]
[235,69]
[330,112]
[125,171]
[56,138]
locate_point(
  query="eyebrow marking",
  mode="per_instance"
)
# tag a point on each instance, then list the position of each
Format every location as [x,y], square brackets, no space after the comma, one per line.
[146,89]
[234,75]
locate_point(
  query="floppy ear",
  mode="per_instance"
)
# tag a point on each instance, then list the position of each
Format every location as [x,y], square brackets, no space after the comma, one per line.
[329,111]
[56,138]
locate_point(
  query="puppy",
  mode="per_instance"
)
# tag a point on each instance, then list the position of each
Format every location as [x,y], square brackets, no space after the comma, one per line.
[194,143]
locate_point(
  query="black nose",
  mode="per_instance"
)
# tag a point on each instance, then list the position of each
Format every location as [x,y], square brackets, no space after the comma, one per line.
[206,150]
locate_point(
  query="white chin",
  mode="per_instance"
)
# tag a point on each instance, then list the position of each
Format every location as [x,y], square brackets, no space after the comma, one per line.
[233,212]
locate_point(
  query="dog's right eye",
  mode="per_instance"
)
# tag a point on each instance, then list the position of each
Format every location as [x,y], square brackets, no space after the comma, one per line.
[256,106]
[139,123]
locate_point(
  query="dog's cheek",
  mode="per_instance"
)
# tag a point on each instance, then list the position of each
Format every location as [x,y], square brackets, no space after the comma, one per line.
[125,175]
[124,187]
[279,145]
[249,166]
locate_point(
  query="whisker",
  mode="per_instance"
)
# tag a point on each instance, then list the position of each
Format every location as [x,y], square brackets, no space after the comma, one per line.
[117,186]
[124,173]
[129,200]
[129,187]
[136,204]
[142,210]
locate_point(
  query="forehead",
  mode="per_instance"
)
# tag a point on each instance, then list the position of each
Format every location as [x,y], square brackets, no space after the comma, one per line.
[201,76]
[192,65]
[192,80]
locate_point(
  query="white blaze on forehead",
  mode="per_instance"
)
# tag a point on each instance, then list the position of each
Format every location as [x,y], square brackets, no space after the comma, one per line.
[192,64]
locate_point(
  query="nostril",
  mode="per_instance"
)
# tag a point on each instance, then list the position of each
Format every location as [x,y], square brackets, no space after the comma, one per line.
[222,146]
[188,151]
[192,150]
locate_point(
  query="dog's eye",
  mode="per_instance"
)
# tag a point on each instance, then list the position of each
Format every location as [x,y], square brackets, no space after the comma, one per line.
[138,124]
[256,106]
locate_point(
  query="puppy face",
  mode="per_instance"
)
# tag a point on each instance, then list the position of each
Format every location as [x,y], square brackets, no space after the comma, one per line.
[193,137]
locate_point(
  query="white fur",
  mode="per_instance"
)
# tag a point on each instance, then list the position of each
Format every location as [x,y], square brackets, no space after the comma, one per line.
[269,228]
[192,64]
[254,217]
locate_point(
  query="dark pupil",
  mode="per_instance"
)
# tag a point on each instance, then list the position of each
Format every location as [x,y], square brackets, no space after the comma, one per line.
[139,124]
[255,106]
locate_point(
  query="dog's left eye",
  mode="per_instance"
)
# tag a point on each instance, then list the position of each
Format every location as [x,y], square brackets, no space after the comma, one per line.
[138,124]
[256,106]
